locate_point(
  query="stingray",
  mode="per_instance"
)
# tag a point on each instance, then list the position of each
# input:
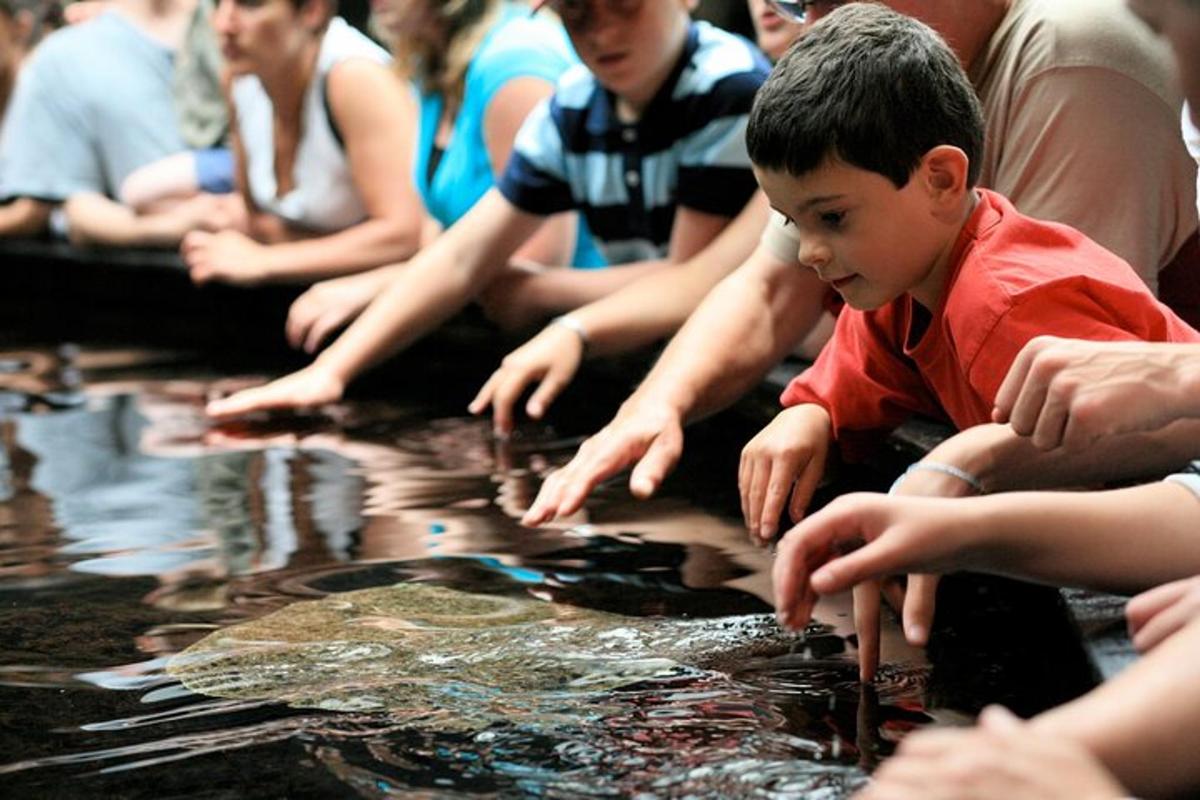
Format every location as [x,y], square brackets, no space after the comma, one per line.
[429,653]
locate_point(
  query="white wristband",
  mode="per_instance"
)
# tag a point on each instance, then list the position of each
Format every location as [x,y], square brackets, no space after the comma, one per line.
[945,469]
[573,324]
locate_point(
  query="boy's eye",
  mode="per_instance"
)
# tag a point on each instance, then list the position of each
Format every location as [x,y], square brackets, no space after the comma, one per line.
[787,221]
[832,219]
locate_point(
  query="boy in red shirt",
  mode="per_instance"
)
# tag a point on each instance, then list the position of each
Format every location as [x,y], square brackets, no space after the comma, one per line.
[868,136]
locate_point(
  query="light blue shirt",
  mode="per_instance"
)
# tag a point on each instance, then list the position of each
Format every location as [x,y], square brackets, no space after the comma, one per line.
[517,46]
[92,104]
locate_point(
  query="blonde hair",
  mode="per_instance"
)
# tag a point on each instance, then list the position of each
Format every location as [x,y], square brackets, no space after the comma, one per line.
[437,60]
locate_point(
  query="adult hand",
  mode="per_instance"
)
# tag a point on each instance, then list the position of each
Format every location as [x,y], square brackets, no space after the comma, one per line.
[1069,392]
[645,434]
[1156,614]
[312,386]
[1000,759]
[786,458]
[550,359]
[227,256]
[511,300]
[329,305]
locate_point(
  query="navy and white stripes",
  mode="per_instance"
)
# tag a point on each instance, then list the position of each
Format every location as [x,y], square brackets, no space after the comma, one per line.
[687,149]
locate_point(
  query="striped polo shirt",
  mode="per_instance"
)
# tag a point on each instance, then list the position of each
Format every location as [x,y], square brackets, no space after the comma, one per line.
[687,149]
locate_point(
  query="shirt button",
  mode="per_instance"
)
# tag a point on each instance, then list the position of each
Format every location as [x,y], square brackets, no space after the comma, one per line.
[632,178]
[629,134]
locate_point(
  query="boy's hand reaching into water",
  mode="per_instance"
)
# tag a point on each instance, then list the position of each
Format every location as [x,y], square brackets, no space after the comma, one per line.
[1157,614]
[782,465]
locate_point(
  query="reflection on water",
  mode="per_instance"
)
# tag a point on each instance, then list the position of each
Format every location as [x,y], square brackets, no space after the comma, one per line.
[626,653]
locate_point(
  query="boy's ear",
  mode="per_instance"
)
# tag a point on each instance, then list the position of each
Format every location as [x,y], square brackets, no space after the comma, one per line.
[315,14]
[943,171]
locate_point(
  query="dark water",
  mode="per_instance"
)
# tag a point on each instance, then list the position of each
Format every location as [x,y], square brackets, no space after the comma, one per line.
[130,530]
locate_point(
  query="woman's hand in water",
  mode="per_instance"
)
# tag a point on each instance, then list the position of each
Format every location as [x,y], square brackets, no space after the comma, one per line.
[999,759]
[1158,613]
[549,359]
[312,386]
[228,257]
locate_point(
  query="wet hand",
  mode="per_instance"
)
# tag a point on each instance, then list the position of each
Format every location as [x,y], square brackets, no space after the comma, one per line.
[786,458]
[1069,393]
[228,256]
[646,435]
[550,359]
[310,387]
[1000,759]
[1155,615]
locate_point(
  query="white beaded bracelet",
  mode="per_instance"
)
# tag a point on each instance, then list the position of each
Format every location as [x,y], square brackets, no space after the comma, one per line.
[945,469]
[573,324]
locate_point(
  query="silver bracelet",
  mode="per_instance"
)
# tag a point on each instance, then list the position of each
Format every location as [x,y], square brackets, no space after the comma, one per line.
[945,469]
[573,324]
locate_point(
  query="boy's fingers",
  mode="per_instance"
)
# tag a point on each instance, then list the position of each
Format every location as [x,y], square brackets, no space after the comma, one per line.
[320,330]
[866,625]
[804,488]
[920,600]
[510,383]
[783,472]
[484,396]
[746,469]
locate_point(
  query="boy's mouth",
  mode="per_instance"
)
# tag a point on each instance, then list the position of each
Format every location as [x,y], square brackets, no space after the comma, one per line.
[609,59]
[839,283]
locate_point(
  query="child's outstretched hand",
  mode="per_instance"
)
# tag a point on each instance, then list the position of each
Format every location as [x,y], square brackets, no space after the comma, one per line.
[857,540]
[1156,614]
[786,458]
[308,388]
[549,359]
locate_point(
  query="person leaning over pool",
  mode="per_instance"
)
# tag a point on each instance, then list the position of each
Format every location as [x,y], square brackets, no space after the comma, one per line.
[322,137]
[478,67]
[868,137]
[646,310]
[648,145]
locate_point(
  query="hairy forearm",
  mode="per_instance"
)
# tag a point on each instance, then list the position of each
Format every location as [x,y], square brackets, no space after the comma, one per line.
[1142,723]
[1124,540]
[741,329]
[360,247]
[1005,461]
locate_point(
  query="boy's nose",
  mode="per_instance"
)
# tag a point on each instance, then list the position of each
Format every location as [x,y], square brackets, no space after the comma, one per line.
[813,253]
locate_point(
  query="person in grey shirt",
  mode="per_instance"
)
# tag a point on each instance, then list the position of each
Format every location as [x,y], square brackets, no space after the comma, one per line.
[93,103]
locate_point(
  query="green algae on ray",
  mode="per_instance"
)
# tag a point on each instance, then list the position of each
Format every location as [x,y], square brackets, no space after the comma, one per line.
[431,653]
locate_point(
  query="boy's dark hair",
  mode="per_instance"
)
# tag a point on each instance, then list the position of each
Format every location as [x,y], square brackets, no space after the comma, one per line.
[876,88]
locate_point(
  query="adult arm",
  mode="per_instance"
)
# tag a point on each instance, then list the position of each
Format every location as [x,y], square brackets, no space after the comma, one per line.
[1071,392]
[744,326]
[93,219]
[376,118]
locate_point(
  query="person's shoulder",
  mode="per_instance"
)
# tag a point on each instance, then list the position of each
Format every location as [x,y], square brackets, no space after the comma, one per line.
[342,41]
[721,58]
[1064,34]
[518,35]
[575,88]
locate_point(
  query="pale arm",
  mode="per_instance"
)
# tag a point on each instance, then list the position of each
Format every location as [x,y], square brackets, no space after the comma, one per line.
[94,219]
[377,120]
[1142,723]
